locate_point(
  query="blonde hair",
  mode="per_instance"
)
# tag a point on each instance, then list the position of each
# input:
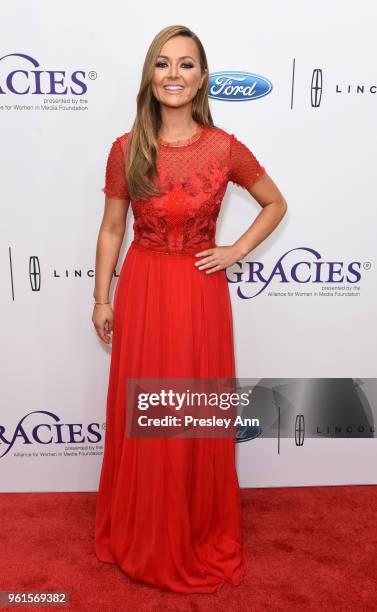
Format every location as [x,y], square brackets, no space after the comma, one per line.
[142,146]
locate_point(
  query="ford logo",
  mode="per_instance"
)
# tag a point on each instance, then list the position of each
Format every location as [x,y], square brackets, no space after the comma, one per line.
[237,86]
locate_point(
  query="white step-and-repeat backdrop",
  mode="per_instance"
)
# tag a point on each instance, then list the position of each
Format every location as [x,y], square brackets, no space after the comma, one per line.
[304,301]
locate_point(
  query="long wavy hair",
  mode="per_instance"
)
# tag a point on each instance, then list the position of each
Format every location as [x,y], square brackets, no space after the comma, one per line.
[142,146]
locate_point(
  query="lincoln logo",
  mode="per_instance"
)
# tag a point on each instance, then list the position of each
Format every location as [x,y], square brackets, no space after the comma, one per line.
[299,430]
[34,273]
[316,89]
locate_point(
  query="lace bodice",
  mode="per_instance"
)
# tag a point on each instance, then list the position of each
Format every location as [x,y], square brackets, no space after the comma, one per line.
[193,178]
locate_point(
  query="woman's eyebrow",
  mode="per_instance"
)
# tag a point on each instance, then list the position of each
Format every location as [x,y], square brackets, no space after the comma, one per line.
[183,57]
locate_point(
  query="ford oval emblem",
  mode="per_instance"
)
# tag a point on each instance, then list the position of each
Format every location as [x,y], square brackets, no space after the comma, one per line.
[237,86]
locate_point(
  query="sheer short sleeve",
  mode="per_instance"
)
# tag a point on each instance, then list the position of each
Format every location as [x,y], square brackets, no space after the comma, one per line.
[245,169]
[115,180]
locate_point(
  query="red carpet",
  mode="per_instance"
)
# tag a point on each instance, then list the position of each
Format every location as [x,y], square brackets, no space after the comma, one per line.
[313,548]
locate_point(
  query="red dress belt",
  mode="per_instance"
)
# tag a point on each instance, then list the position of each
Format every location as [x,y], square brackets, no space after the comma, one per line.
[186,251]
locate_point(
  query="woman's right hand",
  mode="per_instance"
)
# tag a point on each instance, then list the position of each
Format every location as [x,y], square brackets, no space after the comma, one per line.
[103,319]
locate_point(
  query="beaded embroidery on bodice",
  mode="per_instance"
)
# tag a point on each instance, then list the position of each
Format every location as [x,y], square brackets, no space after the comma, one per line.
[182,142]
[192,178]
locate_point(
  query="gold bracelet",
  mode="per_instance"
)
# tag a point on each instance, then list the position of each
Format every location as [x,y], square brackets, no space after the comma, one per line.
[100,303]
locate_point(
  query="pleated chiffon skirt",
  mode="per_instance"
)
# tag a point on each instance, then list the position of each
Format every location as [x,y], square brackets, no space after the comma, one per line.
[169,509]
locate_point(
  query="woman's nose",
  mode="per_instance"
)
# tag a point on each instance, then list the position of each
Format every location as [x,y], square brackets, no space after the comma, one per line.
[173,70]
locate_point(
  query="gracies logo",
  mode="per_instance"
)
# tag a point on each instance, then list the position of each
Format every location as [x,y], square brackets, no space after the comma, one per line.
[30,430]
[20,75]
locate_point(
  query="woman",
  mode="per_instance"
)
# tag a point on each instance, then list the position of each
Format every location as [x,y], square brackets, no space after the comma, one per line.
[168,509]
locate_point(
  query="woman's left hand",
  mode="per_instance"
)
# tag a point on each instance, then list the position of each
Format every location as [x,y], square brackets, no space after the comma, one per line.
[218,258]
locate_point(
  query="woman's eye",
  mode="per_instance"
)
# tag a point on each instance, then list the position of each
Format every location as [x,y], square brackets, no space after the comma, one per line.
[162,64]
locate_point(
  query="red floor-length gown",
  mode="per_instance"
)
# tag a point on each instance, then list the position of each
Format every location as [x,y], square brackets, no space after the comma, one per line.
[168,509]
